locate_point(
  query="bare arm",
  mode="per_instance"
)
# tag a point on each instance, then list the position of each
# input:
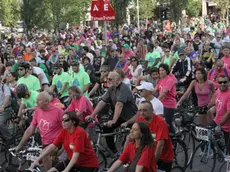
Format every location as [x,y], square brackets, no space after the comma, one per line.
[22,106]
[98,108]
[115,166]
[27,134]
[118,109]
[159,149]
[186,94]
[225,118]
[139,168]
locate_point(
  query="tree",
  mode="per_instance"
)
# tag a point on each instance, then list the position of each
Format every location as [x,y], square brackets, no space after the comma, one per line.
[120,7]
[176,8]
[194,8]
[9,12]
[223,5]
[147,8]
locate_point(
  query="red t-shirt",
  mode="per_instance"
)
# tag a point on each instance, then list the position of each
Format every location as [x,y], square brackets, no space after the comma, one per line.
[147,159]
[78,141]
[82,104]
[158,126]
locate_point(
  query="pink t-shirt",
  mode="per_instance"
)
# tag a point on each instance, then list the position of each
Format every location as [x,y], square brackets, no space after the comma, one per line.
[128,54]
[81,104]
[222,106]
[49,122]
[168,83]
[226,61]
[54,101]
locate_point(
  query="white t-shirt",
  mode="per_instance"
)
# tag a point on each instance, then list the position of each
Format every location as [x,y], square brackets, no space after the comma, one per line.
[39,71]
[135,73]
[127,82]
[158,107]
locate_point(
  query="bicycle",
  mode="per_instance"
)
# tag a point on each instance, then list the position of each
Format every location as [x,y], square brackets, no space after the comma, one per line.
[100,149]
[209,149]
[29,155]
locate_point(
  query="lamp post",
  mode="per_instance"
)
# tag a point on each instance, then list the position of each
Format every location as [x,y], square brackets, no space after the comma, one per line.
[138,16]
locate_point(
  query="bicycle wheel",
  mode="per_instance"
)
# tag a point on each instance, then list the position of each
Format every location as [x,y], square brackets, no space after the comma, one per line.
[189,141]
[223,167]
[177,169]
[3,162]
[180,153]
[102,160]
[203,159]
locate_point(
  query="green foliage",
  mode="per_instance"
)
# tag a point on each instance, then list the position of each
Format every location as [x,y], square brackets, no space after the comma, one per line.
[9,12]
[147,8]
[51,13]
[223,5]
[120,7]
[194,8]
[176,7]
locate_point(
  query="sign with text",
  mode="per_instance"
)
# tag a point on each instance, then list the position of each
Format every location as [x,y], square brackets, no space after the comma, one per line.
[101,10]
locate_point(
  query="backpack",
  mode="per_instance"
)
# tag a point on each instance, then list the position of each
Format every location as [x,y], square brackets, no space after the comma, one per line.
[225,72]
[13,101]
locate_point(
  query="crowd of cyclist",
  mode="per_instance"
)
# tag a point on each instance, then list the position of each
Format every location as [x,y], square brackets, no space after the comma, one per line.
[57,75]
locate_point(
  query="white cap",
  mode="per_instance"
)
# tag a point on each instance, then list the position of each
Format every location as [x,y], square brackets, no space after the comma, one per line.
[146,86]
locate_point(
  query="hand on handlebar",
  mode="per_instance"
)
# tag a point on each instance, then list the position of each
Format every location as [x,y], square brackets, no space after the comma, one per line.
[110,123]
[34,164]
[124,124]
[87,118]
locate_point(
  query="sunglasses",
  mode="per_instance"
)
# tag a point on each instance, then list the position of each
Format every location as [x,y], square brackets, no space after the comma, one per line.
[133,61]
[103,71]
[21,69]
[65,120]
[109,79]
[223,82]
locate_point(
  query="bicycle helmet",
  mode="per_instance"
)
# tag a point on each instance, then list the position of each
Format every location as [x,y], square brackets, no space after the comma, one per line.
[25,65]
[21,90]
[75,63]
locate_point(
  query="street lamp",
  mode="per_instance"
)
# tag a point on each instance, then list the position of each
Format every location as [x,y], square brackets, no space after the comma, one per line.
[138,16]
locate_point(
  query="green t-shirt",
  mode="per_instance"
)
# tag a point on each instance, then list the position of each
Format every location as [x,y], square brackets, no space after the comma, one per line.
[31,82]
[31,101]
[151,58]
[167,60]
[176,55]
[59,80]
[80,79]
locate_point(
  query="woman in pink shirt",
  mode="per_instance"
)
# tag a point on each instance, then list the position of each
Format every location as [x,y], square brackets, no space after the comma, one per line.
[79,103]
[167,93]
[226,58]
[205,92]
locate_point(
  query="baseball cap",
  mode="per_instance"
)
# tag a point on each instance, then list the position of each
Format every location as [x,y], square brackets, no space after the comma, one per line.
[146,86]
[126,46]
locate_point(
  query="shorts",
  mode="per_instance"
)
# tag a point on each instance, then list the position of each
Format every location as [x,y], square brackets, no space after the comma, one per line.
[203,110]
[62,165]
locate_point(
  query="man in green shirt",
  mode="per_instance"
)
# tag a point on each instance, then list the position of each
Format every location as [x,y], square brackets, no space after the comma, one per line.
[28,99]
[152,58]
[30,81]
[61,82]
[79,78]
[20,59]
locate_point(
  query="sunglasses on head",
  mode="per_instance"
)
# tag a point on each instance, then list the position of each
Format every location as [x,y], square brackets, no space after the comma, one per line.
[65,120]
[223,82]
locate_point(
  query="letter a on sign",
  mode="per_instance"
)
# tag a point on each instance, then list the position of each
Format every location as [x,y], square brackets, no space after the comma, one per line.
[95,8]
[101,10]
